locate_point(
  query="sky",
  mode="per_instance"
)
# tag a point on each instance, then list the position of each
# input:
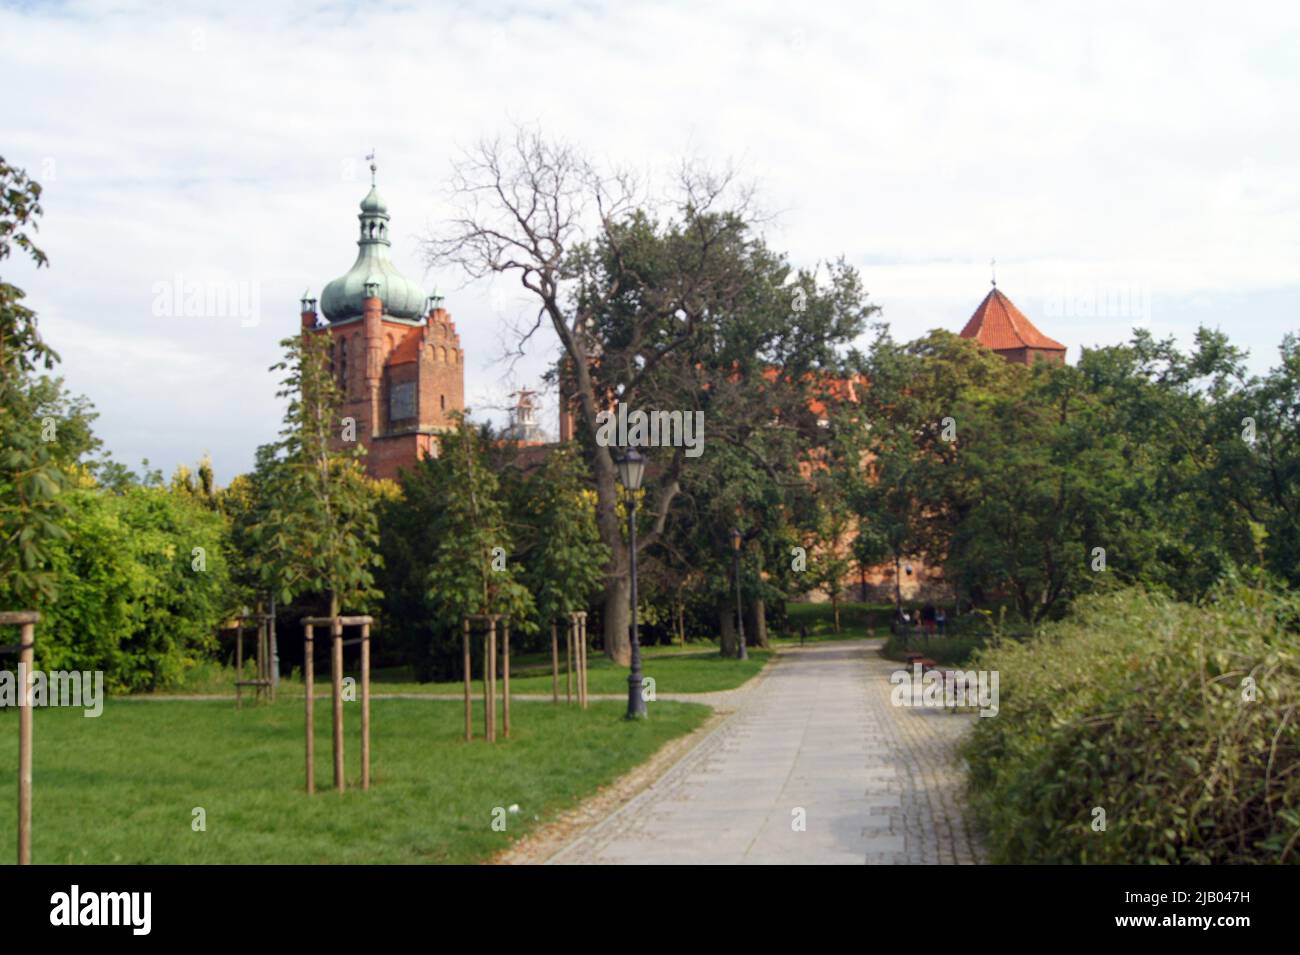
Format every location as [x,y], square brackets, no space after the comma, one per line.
[1125,164]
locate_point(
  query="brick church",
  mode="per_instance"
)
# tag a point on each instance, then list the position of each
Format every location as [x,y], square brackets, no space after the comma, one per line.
[394,350]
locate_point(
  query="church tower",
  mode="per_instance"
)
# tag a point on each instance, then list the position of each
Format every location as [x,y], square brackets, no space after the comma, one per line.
[997,324]
[394,350]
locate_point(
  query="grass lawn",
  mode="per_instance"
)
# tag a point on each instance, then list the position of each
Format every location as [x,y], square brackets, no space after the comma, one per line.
[674,670]
[121,788]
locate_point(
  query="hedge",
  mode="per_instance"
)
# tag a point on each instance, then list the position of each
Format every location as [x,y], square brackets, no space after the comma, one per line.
[1178,721]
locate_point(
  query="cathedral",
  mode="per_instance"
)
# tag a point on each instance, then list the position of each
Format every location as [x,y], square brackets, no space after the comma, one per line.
[394,351]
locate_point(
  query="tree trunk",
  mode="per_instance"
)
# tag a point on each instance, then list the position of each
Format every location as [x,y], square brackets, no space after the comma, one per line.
[275,648]
[616,619]
[898,583]
[835,606]
[727,629]
[756,624]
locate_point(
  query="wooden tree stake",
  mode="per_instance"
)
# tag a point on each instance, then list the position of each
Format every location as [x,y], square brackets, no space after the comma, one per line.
[582,653]
[555,666]
[469,731]
[505,679]
[26,657]
[365,706]
[239,667]
[309,685]
[336,673]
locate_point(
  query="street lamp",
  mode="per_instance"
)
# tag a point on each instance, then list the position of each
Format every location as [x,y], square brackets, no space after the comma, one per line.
[631,468]
[736,541]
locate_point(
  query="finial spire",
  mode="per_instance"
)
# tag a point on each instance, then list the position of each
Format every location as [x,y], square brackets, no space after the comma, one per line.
[993,268]
[373,167]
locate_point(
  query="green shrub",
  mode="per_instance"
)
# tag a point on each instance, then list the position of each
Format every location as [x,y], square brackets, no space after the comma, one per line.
[953,649]
[130,600]
[1136,704]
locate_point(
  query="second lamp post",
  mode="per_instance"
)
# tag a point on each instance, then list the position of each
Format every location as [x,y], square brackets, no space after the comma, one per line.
[631,468]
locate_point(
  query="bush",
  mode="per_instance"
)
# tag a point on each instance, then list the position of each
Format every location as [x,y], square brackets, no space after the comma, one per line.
[129,599]
[952,649]
[1136,704]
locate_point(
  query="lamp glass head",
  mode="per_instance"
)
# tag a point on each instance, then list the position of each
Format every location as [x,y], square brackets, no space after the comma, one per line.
[631,468]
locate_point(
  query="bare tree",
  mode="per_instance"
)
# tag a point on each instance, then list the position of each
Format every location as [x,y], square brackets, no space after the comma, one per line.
[539,210]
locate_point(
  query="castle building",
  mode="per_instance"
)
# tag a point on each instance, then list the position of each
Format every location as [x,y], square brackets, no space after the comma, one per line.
[394,350]
[997,324]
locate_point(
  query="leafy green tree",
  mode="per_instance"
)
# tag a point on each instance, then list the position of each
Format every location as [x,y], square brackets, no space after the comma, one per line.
[470,570]
[143,578]
[564,558]
[828,549]
[43,434]
[1039,484]
[1255,472]
[318,532]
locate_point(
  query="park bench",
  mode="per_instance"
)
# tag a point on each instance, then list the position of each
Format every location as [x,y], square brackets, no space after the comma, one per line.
[264,684]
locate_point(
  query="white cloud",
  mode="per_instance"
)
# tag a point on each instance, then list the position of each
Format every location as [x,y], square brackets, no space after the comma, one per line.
[1109,146]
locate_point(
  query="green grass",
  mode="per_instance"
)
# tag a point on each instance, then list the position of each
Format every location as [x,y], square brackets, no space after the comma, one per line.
[121,788]
[674,670]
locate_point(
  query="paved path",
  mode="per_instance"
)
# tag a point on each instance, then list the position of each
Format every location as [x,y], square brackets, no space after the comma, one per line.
[816,736]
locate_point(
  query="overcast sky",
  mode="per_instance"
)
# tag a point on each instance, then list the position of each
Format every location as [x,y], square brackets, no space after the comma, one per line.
[1145,158]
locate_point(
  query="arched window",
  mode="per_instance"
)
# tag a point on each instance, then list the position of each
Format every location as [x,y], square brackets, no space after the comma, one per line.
[343,366]
[442,400]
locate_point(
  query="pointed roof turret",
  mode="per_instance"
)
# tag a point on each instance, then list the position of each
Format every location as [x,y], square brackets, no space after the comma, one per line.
[998,325]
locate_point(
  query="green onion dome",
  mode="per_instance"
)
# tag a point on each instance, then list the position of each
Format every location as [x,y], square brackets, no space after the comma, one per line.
[345,297]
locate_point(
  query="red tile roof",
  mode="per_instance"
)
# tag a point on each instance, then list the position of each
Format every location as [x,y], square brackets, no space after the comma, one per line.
[999,325]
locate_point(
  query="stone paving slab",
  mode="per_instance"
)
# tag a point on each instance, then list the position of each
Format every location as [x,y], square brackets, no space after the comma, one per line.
[816,741]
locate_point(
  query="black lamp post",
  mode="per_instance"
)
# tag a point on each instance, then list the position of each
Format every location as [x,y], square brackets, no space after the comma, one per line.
[631,468]
[736,540]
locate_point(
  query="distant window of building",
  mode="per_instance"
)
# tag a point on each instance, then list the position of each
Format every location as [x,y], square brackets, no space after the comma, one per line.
[401,401]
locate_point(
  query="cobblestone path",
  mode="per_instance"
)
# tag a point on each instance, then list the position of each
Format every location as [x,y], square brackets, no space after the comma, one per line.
[816,742]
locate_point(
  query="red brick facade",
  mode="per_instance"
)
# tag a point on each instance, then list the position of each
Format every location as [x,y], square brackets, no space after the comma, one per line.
[402,381]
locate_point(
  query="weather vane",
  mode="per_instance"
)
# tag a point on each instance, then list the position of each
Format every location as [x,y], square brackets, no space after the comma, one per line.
[371,157]
[993,266]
